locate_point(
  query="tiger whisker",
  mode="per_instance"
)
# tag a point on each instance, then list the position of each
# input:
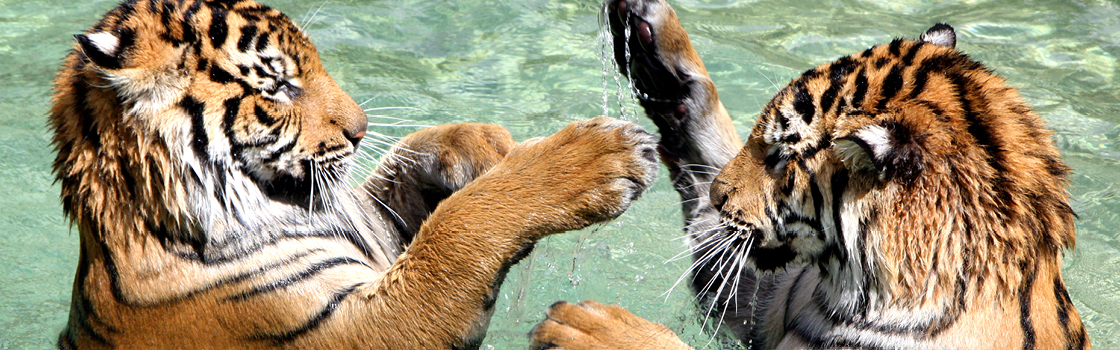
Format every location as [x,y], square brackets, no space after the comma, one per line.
[312,19]
[388,108]
[698,262]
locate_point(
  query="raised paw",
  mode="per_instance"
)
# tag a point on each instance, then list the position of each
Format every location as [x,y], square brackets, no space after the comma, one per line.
[591,325]
[653,50]
[588,172]
[430,164]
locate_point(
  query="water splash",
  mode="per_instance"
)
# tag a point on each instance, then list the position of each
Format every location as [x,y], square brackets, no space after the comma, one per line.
[624,95]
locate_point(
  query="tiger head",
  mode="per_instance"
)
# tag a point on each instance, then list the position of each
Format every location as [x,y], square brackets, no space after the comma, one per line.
[900,169]
[221,110]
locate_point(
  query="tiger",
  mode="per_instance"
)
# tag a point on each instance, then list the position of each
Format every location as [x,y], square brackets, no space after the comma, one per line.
[204,156]
[903,197]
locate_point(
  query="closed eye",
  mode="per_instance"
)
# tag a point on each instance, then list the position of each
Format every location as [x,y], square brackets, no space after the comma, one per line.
[776,160]
[288,89]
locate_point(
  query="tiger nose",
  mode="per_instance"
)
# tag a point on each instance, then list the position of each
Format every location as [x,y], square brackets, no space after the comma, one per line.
[355,137]
[718,193]
[354,123]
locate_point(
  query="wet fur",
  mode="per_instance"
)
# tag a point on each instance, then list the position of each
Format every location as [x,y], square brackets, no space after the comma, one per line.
[901,197]
[203,155]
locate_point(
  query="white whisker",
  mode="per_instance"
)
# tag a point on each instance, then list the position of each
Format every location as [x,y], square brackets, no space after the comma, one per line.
[388,108]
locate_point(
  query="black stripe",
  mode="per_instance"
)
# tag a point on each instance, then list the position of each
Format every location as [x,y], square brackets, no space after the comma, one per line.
[803,103]
[891,84]
[808,153]
[1063,310]
[818,202]
[125,11]
[247,252]
[861,89]
[199,139]
[984,137]
[783,121]
[909,58]
[895,47]
[881,62]
[86,316]
[312,270]
[314,322]
[240,277]
[111,269]
[839,184]
[271,157]
[219,30]
[90,132]
[793,291]
[1025,306]
[219,75]
[262,73]
[933,107]
[837,76]
[861,245]
[920,77]
[263,117]
[188,30]
[791,183]
[248,32]
[262,42]
[811,74]
[126,40]
[232,106]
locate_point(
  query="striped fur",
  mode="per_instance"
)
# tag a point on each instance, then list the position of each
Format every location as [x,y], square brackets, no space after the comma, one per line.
[902,197]
[204,153]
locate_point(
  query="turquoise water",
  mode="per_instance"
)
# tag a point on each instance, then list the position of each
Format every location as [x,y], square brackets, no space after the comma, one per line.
[533,66]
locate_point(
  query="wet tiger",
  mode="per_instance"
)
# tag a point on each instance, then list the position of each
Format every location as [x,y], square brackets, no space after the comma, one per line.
[203,154]
[903,197]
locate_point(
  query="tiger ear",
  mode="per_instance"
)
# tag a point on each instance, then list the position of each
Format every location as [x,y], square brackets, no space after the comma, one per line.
[941,34]
[103,49]
[890,148]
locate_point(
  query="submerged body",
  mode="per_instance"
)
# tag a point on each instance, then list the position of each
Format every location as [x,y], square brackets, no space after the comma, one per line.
[204,154]
[901,197]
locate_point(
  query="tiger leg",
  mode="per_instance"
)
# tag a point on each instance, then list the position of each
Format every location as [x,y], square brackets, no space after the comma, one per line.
[448,278]
[429,165]
[697,137]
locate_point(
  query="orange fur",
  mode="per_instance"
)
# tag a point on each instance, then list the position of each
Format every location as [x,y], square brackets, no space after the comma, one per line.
[902,197]
[203,154]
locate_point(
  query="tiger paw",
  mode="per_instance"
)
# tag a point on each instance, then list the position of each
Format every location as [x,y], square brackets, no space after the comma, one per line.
[591,325]
[588,172]
[429,165]
[452,155]
[653,50]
